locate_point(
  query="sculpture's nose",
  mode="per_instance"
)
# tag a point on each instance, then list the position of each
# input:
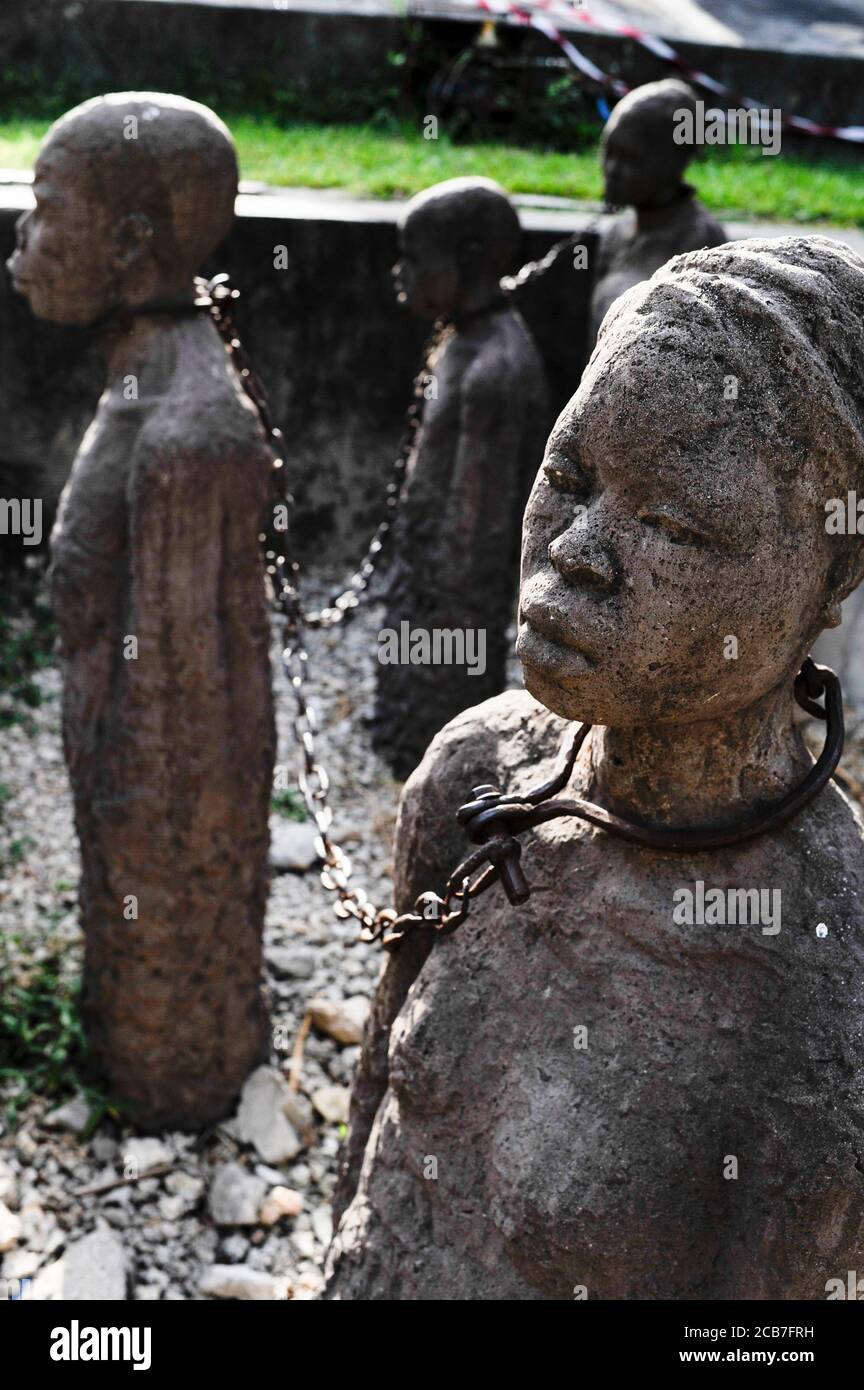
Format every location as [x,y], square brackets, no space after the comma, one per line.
[581,559]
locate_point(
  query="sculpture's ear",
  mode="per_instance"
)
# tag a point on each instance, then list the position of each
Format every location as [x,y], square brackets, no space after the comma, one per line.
[131,235]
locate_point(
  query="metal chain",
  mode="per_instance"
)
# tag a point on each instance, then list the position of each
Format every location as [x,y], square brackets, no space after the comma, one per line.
[215,296]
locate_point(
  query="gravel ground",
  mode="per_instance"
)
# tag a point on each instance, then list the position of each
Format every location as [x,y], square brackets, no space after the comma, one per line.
[167,1231]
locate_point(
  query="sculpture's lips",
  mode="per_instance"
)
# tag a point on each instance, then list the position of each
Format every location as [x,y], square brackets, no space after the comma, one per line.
[554,626]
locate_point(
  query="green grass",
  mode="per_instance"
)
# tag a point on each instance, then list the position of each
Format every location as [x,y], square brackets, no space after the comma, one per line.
[42,1046]
[809,184]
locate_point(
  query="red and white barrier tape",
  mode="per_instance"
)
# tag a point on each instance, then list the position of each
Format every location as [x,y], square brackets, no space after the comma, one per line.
[528,15]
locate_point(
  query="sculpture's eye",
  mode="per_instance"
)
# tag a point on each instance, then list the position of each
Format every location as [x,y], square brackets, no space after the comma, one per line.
[565,477]
[673,529]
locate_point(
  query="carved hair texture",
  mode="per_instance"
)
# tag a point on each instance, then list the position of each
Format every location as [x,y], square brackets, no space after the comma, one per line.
[783,321]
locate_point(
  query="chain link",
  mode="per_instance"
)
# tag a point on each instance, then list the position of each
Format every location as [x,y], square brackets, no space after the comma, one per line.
[376,924]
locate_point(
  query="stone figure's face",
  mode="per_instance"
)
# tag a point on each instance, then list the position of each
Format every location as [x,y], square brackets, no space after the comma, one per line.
[662,576]
[638,169]
[66,262]
[426,276]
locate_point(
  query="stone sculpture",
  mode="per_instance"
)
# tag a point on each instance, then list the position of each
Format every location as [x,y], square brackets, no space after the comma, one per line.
[158,589]
[643,172]
[479,446]
[607,1092]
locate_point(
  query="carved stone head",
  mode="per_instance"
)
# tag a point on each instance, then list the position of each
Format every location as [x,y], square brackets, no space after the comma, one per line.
[133,190]
[642,164]
[457,239]
[683,496]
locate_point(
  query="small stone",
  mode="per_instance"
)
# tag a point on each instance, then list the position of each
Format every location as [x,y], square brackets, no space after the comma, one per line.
[240,1282]
[322,1224]
[11,1228]
[299,1112]
[342,1019]
[140,1156]
[331,1102]
[96,1269]
[172,1208]
[8,1185]
[292,962]
[279,1203]
[48,1285]
[304,1244]
[270,1175]
[234,1248]
[184,1185]
[236,1196]
[74,1116]
[103,1148]
[261,1118]
[292,846]
[20,1264]
[26,1147]
[148,1293]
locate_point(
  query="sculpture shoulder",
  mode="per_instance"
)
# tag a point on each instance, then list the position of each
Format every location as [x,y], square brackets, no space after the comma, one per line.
[211,434]
[706,230]
[510,741]
[505,356]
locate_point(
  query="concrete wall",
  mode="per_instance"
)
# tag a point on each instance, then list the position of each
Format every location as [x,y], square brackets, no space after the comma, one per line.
[335,352]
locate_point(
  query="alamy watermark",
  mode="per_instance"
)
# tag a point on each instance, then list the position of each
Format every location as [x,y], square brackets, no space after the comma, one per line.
[438,646]
[22,516]
[739,125]
[727,907]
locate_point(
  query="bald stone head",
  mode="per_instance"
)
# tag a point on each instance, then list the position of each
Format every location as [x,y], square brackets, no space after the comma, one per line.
[457,239]
[133,191]
[642,164]
[685,488]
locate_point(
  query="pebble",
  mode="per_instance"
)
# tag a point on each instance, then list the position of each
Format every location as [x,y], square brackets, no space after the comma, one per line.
[292,845]
[139,1156]
[331,1102]
[292,962]
[236,1196]
[96,1269]
[322,1224]
[261,1118]
[240,1282]
[74,1116]
[8,1185]
[11,1228]
[279,1203]
[342,1019]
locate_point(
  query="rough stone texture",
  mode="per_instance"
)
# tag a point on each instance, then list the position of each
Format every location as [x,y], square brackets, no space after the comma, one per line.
[642,172]
[500,1158]
[170,747]
[479,446]
[95,1270]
